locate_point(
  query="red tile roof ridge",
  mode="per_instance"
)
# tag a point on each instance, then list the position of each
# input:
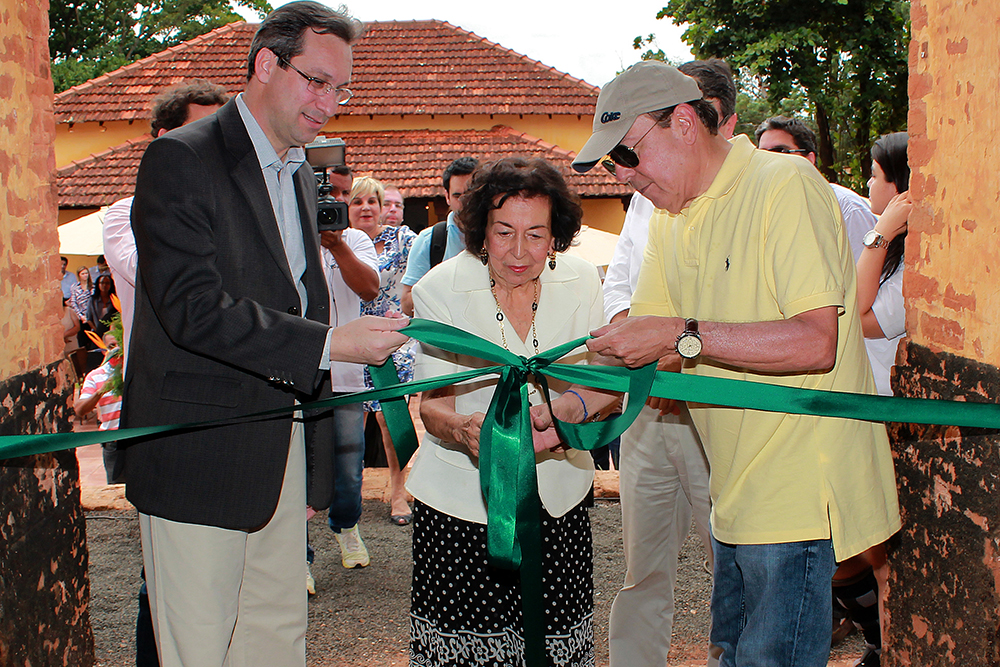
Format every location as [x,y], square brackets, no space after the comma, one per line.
[564,75]
[138,64]
[103,155]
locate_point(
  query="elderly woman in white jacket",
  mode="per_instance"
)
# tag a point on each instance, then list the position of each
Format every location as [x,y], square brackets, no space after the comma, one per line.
[509,287]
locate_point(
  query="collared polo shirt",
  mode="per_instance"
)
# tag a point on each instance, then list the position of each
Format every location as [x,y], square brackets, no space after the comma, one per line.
[766,242]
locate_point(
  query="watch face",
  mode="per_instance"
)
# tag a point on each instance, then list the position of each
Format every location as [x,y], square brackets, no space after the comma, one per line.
[871,238]
[689,346]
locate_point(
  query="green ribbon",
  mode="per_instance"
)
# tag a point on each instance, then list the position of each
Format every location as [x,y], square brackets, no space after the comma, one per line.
[507,460]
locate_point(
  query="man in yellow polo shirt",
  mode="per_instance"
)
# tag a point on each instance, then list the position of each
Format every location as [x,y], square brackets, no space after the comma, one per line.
[750,277]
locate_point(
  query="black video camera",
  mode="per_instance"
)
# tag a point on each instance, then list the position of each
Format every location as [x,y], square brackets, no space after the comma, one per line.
[326,152]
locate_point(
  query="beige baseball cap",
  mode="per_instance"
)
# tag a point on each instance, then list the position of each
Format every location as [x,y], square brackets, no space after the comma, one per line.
[647,86]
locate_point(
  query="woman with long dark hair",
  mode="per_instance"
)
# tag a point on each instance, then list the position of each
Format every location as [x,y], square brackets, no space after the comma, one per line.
[101,308]
[859,581]
[880,266]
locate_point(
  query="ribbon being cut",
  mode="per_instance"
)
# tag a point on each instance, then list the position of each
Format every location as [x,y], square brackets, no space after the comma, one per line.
[507,458]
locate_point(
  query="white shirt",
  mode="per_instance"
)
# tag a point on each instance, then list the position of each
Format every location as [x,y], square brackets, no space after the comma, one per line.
[122,258]
[345,305]
[623,271]
[891,316]
[457,292]
[858,217]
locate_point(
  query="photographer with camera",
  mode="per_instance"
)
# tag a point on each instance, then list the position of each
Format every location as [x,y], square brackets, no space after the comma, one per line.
[351,270]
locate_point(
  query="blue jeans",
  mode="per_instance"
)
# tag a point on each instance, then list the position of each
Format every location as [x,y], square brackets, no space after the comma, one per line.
[771,603]
[349,457]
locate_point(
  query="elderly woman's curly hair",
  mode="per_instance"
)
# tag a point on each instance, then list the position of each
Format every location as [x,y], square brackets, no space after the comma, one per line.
[495,182]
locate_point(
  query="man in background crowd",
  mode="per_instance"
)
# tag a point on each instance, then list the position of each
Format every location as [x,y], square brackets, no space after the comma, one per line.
[779,134]
[66,279]
[445,239]
[179,105]
[392,210]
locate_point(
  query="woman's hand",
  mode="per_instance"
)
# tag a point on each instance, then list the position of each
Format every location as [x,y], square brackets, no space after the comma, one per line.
[665,406]
[437,411]
[543,431]
[892,222]
[567,408]
[466,431]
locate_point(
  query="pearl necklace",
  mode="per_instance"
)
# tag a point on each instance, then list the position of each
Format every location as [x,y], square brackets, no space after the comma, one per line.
[500,317]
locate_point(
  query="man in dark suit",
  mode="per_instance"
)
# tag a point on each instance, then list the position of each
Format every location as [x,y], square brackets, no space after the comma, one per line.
[232,314]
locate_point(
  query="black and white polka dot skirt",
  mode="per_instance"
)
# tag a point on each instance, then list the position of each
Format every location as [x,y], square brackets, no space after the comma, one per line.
[465,613]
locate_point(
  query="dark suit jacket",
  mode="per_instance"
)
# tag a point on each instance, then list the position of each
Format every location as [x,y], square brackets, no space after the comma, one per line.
[217,331]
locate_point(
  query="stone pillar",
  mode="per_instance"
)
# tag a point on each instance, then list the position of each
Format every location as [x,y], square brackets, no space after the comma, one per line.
[943,603]
[44,590]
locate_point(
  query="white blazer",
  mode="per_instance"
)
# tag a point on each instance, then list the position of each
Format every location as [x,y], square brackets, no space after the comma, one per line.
[457,292]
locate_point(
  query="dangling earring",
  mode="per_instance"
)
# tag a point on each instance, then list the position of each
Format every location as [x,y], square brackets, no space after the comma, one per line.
[484,256]
[552,260]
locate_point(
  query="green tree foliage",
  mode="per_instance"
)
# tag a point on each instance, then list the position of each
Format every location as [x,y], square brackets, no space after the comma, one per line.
[90,37]
[847,58]
[753,107]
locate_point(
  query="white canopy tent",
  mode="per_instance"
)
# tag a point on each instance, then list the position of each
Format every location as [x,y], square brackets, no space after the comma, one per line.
[83,236]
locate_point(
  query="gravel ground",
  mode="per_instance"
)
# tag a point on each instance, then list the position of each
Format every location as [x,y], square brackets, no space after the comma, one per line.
[359,617]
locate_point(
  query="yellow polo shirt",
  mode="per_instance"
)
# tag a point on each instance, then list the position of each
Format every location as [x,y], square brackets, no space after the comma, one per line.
[766,242]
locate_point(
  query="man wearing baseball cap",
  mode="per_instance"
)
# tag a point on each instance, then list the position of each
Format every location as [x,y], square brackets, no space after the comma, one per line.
[748,275]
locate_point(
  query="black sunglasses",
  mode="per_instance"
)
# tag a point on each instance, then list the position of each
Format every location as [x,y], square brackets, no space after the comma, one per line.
[624,156]
[786,150]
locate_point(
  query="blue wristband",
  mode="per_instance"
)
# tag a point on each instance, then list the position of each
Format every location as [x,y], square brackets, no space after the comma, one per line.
[585,413]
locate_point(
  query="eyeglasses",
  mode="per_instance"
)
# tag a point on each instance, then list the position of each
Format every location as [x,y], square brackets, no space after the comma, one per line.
[319,86]
[787,149]
[624,156]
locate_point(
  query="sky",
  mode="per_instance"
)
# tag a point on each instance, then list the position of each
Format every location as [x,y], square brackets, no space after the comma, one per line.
[564,34]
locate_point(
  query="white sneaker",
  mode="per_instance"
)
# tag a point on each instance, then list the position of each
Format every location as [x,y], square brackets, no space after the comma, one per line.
[352,549]
[310,582]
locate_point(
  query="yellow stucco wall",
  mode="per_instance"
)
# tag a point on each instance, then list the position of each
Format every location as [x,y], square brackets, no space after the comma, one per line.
[952,252]
[80,140]
[567,132]
[30,303]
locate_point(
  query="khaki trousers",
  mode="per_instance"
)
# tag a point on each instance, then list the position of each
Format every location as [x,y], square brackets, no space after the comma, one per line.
[663,481]
[229,598]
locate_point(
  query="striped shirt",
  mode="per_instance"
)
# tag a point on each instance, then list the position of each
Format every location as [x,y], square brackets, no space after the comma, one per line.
[109,407]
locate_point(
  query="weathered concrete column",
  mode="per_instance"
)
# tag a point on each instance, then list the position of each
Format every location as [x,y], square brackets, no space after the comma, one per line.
[44,589]
[944,589]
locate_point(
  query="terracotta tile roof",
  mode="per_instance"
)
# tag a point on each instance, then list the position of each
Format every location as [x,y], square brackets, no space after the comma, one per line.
[410,159]
[103,178]
[126,93]
[400,67]
[414,159]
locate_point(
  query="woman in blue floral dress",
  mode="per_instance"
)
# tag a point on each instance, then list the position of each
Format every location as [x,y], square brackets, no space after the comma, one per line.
[393,247]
